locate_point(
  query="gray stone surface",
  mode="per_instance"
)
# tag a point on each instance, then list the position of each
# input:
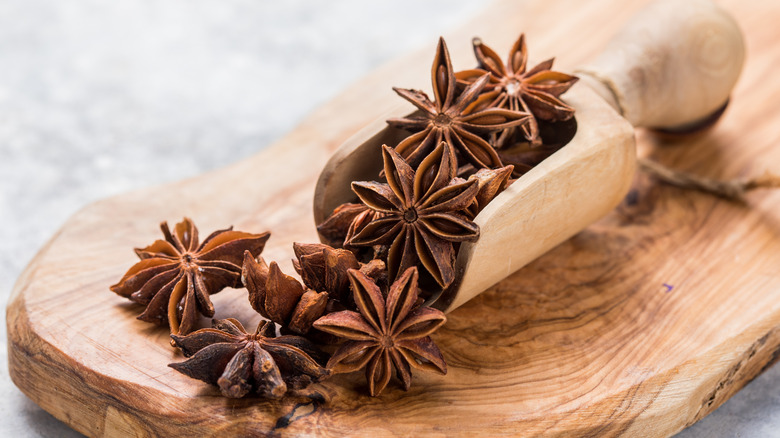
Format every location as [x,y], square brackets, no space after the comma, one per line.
[97,98]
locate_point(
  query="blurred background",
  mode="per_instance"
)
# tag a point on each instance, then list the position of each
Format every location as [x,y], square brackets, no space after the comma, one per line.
[98,98]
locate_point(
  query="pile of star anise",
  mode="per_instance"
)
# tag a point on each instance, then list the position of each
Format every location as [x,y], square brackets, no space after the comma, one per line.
[360,298]
[481,129]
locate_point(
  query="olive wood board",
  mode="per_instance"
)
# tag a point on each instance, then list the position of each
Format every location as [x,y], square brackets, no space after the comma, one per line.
[640,325]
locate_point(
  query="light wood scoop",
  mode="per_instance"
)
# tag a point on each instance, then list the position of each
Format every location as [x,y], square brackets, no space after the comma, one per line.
[671,67]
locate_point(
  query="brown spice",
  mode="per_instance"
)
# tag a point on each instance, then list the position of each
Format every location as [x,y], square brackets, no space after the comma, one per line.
[335,228]
[348,219]
[491,182]
[176,276]
[524,156]
[423,213]
[387,333]
[458,120]
[239,362]
[294,306]
[536,91]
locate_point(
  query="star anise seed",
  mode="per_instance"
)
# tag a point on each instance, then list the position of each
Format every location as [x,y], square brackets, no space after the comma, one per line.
[536,91]
[422,213]
[177,275]
[239,362]
[453,119]
[386,333]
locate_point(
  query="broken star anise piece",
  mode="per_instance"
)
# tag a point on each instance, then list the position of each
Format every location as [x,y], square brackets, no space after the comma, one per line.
[452,118]
[386,333]
[294,306]
[491,182]
[423,213]
[536,91]
[345,221]
[176,276]
[324,268]
[335,227]
[239,362]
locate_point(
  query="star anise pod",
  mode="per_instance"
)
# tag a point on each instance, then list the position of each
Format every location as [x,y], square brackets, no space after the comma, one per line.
[526,156]
[386,333]
[512,87]
[294,306]
[491,182]
[335,227]
[325,269]
[453,118]
[345,221]
[176,276]
[422,213]
[239,362]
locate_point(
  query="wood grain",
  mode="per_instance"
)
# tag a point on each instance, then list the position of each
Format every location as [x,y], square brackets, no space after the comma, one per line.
[587,340]
[672,65]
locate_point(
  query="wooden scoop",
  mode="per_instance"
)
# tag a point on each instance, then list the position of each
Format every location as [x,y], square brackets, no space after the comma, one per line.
[671,67]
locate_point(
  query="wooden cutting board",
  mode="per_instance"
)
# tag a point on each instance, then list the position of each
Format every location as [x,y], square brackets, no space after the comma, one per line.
[639,326]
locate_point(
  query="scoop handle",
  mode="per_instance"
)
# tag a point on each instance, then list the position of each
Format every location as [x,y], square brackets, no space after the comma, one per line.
[673,65]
